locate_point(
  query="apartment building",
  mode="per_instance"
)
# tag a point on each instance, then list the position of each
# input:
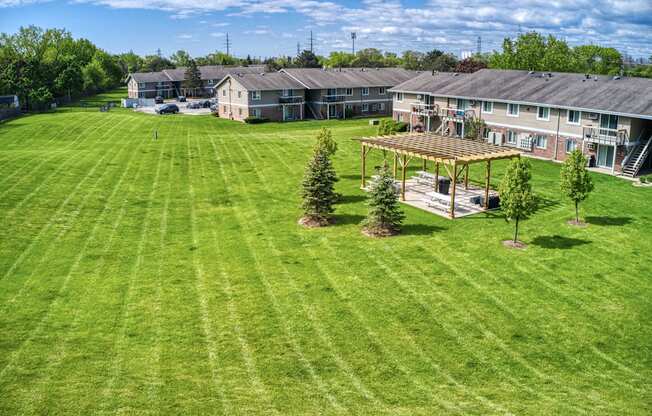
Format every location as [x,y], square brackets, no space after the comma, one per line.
[544,114]
[273,95]
[168,83]
[348,92]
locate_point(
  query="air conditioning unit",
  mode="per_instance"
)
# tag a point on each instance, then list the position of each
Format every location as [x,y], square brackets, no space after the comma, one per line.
[498,139]
[419,97]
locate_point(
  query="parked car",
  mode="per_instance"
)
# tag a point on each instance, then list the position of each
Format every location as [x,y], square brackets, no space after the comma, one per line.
[158,100]
[194,105]
[167,109]
[181,98]
[205,103]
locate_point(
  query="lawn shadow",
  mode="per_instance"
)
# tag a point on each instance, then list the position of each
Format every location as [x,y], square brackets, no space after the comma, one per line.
[558,242]
[545,204]
[609,221]
[351,199]
[420,229]
[347,219]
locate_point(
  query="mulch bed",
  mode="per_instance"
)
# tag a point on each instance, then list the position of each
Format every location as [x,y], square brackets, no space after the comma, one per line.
[519,245]
[310,222]
[580,224]
[379,232]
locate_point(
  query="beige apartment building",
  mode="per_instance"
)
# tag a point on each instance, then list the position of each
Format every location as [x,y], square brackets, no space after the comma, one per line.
[272,95]
[348,92]
[544,114]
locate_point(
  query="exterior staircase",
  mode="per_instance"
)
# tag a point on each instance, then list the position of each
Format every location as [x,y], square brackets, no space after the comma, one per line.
[637,157]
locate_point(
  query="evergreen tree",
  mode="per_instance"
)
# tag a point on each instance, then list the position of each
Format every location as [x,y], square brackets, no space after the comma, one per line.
[576,183]
[318,189]
[325,140]
[385,216]
[516,198]
[193,76]
[307,59]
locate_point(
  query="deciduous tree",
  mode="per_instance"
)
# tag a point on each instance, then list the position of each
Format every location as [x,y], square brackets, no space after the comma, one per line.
[516,198]
[576,182]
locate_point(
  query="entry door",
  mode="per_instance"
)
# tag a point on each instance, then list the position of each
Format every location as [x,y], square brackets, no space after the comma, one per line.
[458,129]
[605,156]
[332,111]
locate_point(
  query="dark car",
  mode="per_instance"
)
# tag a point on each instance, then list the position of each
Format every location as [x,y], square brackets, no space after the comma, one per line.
[181,98]
[205,103]
[168,109]
[194,105]
[158,100]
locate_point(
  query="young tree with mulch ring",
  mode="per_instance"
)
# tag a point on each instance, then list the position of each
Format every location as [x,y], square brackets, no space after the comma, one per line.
[576,182]
[516,198]
[318,190]
[385,216]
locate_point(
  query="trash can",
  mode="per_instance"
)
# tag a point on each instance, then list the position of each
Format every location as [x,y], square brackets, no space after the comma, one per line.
[443,185]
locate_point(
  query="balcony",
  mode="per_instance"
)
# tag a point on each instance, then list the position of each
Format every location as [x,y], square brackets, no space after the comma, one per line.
[333,98]
[612,137]
[294,99]
[425,109]
[453,114]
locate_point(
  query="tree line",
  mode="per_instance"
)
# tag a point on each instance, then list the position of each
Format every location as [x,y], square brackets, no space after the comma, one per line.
[40,65]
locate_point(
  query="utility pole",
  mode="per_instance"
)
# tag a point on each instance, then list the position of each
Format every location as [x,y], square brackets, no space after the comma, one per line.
[479,51]
[228,45]
[311,39]
[353,37]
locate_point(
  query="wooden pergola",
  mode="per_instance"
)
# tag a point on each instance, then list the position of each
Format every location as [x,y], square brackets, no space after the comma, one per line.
[454,154]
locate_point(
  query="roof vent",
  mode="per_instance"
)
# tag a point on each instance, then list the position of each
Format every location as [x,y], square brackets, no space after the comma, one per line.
[455,74]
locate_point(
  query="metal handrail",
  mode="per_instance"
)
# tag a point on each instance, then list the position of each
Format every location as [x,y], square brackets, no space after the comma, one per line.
[333,98]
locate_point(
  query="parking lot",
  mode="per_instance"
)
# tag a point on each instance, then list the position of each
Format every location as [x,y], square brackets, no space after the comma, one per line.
[183,108]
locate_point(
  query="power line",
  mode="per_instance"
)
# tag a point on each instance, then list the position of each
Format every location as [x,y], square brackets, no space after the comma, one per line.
[228,45]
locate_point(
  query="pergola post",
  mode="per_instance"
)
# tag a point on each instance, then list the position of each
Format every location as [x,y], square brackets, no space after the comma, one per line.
[403,169]
[454,180]
[363,155]
[466,177]
[436,176]
[424,165]
[486,185]
[395,165]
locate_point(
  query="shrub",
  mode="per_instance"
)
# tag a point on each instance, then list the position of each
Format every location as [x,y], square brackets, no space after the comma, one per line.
[255,120]
[400,126]
[388,127]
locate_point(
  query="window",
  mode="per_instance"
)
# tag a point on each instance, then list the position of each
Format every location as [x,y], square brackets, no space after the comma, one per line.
[348,106]
[511,137]
[365,91]
[381,106]
[210,82]
[374,108]
[540,141]
[224,108]
[239,94]
[487,107]
[331,91]
[141,85]
[224,93]
[255,112]
[348,91]
[381,90]
[512,110]
[571,145]
[573,117]
[399,97]
[255,95]
[365,108]
[543,113]
[462,104]
[286,93]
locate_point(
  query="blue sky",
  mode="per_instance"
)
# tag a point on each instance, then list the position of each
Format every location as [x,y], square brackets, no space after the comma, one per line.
[273,27]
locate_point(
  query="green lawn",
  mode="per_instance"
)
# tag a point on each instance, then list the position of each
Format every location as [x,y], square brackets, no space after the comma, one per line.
[171,277]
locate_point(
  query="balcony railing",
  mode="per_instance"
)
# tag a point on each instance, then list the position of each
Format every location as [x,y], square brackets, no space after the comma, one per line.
[456,114]
[425,109]
[613,137]
[333,98]
[295,99]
